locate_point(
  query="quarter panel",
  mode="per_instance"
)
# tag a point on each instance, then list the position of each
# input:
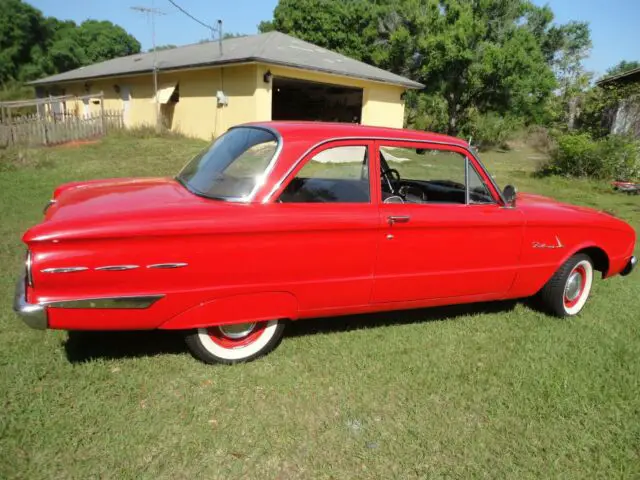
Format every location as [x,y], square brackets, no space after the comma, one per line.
[322,255]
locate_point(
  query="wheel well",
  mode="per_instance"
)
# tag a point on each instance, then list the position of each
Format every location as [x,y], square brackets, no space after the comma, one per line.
[599,257]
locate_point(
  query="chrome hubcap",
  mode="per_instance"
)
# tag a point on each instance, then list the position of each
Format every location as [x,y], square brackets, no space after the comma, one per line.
[238,330]
[574,285]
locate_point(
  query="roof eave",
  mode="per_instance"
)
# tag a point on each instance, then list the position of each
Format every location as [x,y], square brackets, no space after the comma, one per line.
[408,84]
[620,76]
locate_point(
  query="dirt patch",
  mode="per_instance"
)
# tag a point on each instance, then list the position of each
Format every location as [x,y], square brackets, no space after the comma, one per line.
[76,143]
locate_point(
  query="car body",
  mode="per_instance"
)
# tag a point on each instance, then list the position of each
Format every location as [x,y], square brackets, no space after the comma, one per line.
[292,220]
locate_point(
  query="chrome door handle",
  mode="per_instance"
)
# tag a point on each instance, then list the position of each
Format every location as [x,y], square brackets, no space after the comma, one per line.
[398,219]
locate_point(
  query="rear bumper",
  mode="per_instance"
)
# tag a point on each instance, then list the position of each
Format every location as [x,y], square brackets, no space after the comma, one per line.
[631,264]
[34,315]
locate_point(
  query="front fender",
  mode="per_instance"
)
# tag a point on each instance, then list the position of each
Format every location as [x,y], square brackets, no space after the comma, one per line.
[252,307]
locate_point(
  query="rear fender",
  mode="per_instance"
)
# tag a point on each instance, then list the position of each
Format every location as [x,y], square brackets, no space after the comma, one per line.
[252,307]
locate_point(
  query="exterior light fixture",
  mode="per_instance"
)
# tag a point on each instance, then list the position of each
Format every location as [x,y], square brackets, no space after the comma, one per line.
[267,77]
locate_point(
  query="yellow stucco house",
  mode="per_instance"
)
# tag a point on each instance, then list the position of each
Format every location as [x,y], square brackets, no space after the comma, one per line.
[203,89]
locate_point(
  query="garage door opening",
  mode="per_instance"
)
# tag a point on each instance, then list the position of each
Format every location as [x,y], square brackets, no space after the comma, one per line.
[301,100]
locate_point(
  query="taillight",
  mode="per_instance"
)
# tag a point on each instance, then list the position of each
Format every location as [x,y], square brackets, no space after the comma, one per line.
[28,265]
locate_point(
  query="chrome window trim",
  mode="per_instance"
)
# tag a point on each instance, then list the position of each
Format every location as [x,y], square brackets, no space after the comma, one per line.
[466,148]
[64,269]
[493,202]
[117,268]
[168,265]
[124,302]
[466,181]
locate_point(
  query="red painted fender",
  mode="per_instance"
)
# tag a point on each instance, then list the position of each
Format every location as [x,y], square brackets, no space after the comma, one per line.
[252,307]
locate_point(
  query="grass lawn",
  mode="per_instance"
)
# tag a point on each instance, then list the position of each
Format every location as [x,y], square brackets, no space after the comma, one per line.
[497,391]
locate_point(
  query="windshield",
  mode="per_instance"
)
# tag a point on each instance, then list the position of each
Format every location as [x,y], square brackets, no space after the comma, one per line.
[233,166]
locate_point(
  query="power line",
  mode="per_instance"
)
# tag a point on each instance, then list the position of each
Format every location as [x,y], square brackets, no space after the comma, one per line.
[192,17]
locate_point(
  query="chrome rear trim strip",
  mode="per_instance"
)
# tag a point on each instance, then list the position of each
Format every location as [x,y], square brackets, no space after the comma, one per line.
[135,302]
[64,270]
[168,265]
[117,268]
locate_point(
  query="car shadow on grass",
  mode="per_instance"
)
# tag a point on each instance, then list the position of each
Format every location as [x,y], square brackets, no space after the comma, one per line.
[83,347]
[395,317]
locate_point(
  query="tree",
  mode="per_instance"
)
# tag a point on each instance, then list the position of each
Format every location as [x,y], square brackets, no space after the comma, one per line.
[622,67]
[102,40]
[473,56]
[32,45]
[163,47]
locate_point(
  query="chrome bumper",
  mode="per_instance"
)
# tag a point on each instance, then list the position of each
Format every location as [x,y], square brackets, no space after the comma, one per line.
[633,261]
[34,315]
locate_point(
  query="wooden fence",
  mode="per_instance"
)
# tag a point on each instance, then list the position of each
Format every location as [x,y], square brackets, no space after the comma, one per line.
[50,126]
[33,130]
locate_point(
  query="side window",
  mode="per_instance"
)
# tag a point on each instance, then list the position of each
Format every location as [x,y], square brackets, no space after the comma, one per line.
[422,175]
[338,174]
[478,191]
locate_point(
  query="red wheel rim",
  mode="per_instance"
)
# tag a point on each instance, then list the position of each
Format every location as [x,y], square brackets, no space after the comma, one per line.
[219,337]
[580,275]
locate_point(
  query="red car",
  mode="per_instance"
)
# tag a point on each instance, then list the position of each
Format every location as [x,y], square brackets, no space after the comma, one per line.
[284,221]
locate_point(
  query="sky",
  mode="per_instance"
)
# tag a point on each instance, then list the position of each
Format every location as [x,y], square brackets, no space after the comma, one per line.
[615,24]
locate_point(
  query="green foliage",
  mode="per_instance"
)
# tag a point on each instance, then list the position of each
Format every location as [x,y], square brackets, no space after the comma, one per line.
[163,47]
[483,56]
[32,45]
[579,155]
[491,129]
[541,139]
[622,67]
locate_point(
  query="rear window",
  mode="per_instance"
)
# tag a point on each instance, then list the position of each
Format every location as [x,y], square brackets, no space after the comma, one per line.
[233,167]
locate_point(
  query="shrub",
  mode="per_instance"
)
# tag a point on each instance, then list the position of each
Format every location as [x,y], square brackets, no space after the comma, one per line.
[491,130]
[540,139]
[579,155]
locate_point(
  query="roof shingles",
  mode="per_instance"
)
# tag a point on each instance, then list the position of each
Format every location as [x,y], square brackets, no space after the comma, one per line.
[272,48]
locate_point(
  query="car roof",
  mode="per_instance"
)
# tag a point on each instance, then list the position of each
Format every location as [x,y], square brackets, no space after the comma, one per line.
[318,131]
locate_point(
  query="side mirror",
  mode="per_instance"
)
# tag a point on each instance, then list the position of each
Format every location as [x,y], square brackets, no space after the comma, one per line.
[509,193]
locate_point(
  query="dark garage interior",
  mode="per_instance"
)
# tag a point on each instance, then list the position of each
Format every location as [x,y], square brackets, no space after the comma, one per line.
[303,100]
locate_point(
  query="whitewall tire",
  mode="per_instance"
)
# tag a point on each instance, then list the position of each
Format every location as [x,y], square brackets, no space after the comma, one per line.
[235,343]
[567,292]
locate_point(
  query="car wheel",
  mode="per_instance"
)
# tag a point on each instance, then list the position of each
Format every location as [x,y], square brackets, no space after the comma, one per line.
[567,291]
[240,342]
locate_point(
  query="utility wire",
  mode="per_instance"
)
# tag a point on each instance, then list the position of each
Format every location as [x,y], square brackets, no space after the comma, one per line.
[191,16]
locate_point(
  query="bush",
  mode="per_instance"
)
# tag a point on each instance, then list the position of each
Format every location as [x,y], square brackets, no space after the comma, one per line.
[540,139]
[491,130]
[579,155]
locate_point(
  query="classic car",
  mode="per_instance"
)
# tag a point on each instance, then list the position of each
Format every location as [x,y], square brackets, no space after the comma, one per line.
[283,221]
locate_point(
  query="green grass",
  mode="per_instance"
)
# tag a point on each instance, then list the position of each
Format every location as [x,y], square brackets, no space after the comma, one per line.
[497,391]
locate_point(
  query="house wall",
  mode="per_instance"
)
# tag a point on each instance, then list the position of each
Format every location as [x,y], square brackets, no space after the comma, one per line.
[197,113]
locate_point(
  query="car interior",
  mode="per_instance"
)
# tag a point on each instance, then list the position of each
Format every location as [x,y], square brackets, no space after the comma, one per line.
[395,188]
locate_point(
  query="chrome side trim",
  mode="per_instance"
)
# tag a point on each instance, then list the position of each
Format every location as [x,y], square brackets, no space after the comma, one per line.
[135,302]
[168,265]
[117,268]
[49,204]
[64,270]
[33,314]
[28,268]
[469,150]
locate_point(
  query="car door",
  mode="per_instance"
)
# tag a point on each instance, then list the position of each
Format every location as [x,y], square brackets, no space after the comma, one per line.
[444,232]
[328,249]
